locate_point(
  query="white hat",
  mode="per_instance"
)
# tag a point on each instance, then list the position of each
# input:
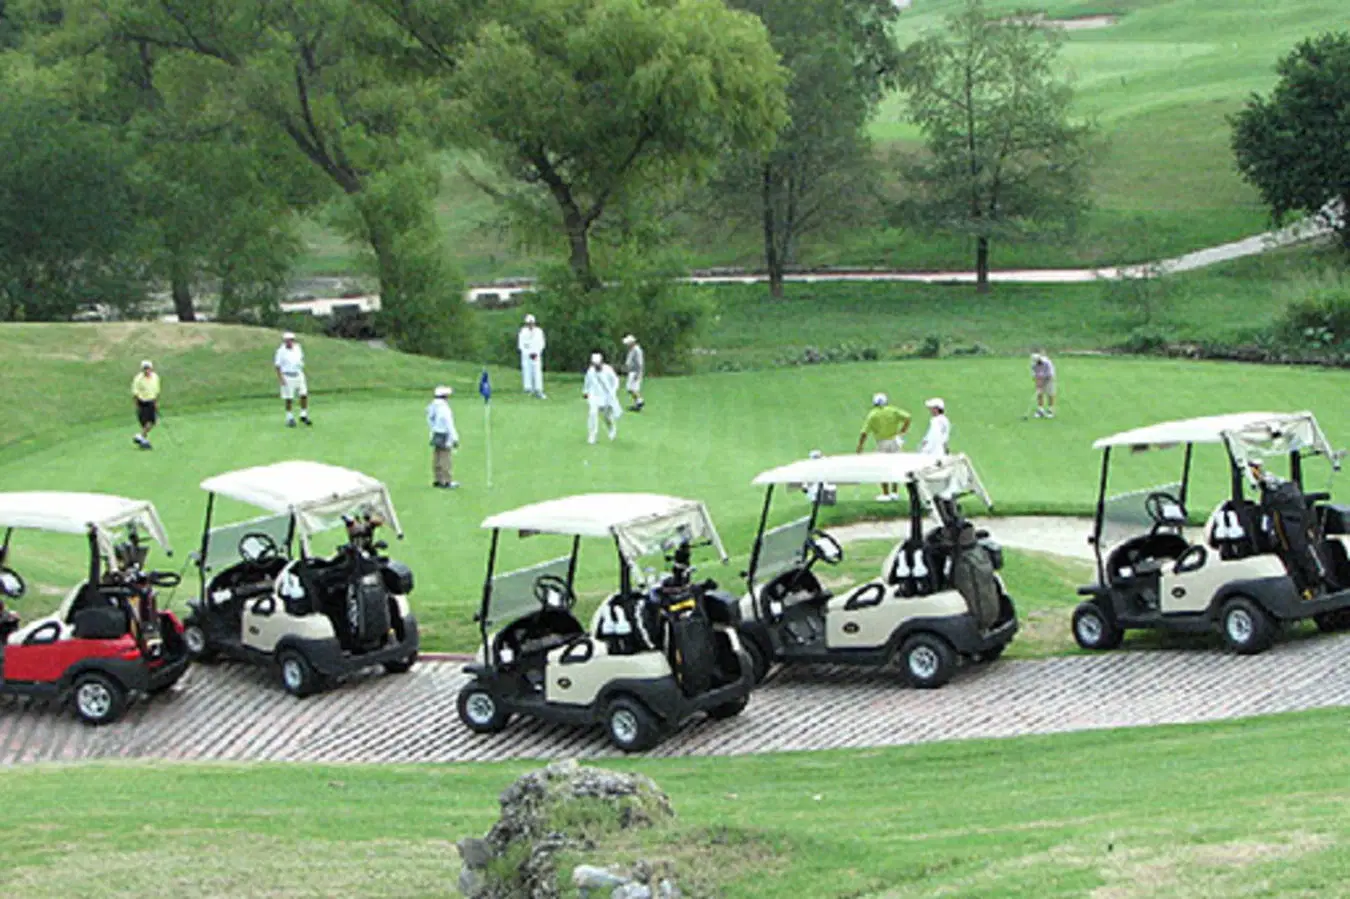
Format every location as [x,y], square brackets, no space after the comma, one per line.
[597,358]
[146,363]
[529,319]
[443,391]
[936,403]
[289,335]
[630,339]
[879,399]
[814,454]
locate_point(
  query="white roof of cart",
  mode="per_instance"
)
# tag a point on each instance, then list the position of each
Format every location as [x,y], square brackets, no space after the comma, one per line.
[317,494]
[75,513]
[946,476]
[1280,429]
[640,521]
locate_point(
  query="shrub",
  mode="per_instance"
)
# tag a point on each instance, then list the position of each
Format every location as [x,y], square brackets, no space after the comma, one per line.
[1316,313]
[1143,341]
[930,347]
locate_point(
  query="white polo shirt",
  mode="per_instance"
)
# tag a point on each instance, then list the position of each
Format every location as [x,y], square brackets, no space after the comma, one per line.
[290,361]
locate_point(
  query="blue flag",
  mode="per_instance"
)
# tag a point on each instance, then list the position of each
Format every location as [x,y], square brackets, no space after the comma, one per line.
[485,386]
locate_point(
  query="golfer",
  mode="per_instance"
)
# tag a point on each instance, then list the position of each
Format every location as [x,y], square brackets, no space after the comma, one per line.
[145,392]
[444,438]
[289,361]
[530,341]
[938,438]
[887,425]
[636,366]
[1043,373]
[601,392]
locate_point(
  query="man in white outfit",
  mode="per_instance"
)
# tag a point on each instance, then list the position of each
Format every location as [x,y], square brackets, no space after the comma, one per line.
[936,441]
[601,392]
[289,362]
[530,342]
[444,438]
[636,366]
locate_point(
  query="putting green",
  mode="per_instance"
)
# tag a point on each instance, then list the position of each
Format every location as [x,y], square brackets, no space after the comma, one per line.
[703,437]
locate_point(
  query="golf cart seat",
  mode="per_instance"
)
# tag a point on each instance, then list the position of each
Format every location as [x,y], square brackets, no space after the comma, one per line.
[529,640]
[1144,556]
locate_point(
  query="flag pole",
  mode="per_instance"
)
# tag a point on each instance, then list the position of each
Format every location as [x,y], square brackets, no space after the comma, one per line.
[485,390]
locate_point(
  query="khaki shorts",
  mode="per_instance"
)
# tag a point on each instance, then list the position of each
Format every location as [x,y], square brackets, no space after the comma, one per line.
[293,386]
[889,446]
[634,382]
[1045,386]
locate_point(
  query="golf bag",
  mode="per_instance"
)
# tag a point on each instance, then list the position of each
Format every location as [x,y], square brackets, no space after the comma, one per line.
[365,617]
[973,576]
[687,631]
[1295,533]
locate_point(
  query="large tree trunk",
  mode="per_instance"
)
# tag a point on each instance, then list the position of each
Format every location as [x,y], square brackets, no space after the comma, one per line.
[579,244]
[982,264]
[772,261]
[180,286]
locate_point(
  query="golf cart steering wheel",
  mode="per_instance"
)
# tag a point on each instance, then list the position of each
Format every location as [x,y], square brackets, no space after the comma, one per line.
[553,592]
[1155,505]
[257,547]
[164,578]
[825,548]
[11,585]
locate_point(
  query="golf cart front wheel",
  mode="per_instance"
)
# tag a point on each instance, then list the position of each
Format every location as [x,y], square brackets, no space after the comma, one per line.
[98,699]
[199,646]
[927,661]
[729,709]
[1094,629]
[480,711]
[401,666]
[1245,626]
[297,675]
[630,726]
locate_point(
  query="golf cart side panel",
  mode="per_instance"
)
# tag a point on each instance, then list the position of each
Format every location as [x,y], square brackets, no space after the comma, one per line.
[867,617]
[575,676]
[330,660]
[266,621]
[51,661]
[1195,590]
[961,631]
[1280,597]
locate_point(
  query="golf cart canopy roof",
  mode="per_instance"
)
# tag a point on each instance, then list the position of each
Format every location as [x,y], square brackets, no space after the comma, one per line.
[76,513]
[640,522]
[317,494]
[1247,434]
[942,476]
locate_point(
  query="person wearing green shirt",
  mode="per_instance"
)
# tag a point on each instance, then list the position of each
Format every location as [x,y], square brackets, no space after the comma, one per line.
[887,425]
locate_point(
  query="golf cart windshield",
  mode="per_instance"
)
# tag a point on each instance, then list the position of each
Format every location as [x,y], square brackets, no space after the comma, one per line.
[77,513]
[945,477]
[513,593]
[314,495]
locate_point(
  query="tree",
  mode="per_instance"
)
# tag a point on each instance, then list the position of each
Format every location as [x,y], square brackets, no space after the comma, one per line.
[842,58]
[1294,146]
[1003,155]
[586,105]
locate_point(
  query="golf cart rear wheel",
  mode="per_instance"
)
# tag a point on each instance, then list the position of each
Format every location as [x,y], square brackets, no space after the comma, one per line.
[1331,622]
[759,658]
[401,666]
[729,709]
[480,711]
[1094,628]
[1245,626]
[927,661]
[990,655]
[630,726]
[97,698]
[199,646]
[297,675]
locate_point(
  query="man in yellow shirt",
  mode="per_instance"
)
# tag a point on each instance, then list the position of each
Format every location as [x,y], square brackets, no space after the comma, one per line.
[145,391]
[888,426]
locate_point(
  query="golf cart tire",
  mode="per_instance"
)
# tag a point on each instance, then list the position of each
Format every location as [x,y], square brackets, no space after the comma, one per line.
[729,709]
[401,666]
[475,700]
[199,648]
[1094,629]
[97,698]
[630,726]
[1245,626]
[1333,622]
[927,661]
[990,656]
[759,658]
[296,674]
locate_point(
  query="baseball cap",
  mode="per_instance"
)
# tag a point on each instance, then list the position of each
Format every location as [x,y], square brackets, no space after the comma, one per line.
[529,319]
[289,335]
[936,403]
[879,399]
[630,339]
[146,363]
[443,391]
[597,357]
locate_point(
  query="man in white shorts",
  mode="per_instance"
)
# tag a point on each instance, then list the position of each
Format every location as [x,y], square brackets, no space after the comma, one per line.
[938,439]
[1043,372]
[636,366]
[530,341]
[887,425]
[289,362]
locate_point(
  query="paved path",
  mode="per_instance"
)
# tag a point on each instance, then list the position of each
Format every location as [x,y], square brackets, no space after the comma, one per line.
[233,712]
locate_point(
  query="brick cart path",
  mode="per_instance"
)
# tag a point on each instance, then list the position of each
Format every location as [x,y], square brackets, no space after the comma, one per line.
[234,712]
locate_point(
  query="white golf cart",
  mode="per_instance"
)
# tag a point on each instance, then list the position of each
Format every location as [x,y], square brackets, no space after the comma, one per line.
[268,599]
[107,642]
[937,600]
[1255,563]
[657,651]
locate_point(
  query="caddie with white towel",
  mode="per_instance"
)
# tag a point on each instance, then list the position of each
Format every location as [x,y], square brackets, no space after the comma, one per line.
[601,392]
[289,362]
[530,341]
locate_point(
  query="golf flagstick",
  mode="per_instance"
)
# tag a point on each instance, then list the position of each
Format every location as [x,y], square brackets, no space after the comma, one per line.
[485,389]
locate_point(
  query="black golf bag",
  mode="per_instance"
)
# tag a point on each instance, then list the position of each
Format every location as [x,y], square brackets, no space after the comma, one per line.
[973,576]
[1294,530]
[686,628]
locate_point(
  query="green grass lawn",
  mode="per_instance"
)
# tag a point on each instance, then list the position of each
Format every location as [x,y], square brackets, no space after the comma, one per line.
[703,436]
[1251,808]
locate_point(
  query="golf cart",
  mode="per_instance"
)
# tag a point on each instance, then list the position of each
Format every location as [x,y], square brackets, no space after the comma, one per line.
[1256,563]
[658,650]
[938,600]
[268,599]
[107,642]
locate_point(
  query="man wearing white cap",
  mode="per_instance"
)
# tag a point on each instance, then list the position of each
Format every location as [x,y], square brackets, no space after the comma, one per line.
[289,362]
[601,392]
[444,438]
[936,441]
[887,425]
[530,341]
[145,391]
[636,366]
